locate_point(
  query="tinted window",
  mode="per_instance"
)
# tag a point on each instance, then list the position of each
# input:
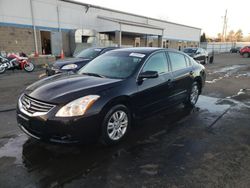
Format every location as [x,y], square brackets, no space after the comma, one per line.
[157,62]
[113,64]
[89,53]
[177,60]
[190,50]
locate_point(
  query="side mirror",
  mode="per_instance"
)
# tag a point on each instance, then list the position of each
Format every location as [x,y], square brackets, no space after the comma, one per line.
[198,52]
[148,74]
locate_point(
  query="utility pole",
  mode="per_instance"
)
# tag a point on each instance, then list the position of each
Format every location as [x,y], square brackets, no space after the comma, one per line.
[34,27]
[224,30]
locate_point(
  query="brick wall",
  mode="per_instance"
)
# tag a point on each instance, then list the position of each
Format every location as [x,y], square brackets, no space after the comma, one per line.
[14,39]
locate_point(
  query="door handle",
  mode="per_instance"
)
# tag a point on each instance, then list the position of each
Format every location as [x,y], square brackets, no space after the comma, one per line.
[169,82]
[191,73]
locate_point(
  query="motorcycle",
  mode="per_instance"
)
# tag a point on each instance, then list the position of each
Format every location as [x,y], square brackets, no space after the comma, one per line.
[13,62]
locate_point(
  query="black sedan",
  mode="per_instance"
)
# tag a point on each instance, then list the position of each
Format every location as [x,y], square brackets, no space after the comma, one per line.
[235,50]
[77,62]
[106,95]
[198,54]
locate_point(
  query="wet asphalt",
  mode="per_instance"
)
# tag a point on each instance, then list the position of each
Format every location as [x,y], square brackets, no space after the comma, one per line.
[207,146]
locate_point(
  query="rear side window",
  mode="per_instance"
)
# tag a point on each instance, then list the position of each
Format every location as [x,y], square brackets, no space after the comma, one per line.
[157,62]
[178,61]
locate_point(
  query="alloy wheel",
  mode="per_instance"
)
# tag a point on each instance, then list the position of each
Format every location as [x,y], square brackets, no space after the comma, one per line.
[194,94]
[117,125]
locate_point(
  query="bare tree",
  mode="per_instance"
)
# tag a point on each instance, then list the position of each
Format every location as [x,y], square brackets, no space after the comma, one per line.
[239,35]
[219,36]
[231,36]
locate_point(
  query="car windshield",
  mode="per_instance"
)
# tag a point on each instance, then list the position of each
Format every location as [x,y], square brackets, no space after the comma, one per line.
[89,53]
[119,65]
[190,50]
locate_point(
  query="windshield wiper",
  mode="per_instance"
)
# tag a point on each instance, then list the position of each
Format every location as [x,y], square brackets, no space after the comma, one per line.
[93,74]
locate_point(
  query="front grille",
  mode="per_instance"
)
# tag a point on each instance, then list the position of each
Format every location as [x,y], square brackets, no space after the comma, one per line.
[33,106]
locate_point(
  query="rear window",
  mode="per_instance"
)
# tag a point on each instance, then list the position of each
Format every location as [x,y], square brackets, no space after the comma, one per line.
[178,61]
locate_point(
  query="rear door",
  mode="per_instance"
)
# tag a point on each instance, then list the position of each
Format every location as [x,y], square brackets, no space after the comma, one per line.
[153,93]
[182,76]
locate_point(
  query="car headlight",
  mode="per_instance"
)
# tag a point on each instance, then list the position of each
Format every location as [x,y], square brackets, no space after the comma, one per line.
[69,67]
[77,107]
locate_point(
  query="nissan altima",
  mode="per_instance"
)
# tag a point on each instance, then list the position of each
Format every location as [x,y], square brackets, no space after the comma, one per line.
[103,99]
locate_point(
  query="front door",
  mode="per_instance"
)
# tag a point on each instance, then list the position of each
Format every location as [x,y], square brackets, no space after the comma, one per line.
[153,93]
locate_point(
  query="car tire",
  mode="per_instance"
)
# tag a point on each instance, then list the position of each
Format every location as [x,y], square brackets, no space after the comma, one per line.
[115,125]
[205,60]
[245,55]
[211,59]
[193,95]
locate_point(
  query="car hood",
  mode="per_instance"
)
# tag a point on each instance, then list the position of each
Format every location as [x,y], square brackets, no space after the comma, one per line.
[60,63]
[63,88]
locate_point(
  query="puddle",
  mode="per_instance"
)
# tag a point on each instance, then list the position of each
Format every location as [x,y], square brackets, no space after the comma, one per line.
[13,148]
[211,104]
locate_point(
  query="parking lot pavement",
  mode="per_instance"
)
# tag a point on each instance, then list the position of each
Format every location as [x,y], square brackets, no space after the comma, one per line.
[207,146]
[13,83]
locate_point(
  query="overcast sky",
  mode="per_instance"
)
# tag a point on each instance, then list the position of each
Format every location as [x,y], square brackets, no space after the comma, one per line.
[207,15]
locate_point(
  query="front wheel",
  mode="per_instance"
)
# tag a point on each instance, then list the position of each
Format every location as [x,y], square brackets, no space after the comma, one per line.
[29,67]
[115,125]
[205,60]
[245,55]
[193,95]
[2,68]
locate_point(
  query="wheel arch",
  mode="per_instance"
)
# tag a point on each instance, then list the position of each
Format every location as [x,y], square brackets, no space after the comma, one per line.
[123,100]
[198,79]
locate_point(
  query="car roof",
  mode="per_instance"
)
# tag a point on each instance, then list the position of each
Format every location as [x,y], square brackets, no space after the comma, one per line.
[144,50]
[103,48]
[194,48]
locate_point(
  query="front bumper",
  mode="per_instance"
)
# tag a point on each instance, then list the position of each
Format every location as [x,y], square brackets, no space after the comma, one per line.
[52,71]
[60,130]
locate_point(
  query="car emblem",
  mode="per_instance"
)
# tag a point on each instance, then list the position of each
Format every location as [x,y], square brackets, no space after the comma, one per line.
[28,105]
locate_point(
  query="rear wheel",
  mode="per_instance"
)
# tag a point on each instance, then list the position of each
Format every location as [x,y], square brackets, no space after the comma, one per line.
[193,95]
[115,125]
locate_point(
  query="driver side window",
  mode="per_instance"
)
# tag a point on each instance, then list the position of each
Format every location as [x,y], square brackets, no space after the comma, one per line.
[157,62]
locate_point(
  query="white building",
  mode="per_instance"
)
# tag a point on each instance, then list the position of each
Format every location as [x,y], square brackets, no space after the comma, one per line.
[67,24]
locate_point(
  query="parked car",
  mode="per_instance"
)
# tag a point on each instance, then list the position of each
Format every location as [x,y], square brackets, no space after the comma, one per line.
[77,62]
[198,54]
[245,51]
[235,50]
[108,94]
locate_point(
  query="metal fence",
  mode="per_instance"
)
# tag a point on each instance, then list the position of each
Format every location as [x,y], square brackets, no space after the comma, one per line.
[222,47]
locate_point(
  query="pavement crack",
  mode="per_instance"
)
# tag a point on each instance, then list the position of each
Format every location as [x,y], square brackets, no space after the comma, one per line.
[218,118]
